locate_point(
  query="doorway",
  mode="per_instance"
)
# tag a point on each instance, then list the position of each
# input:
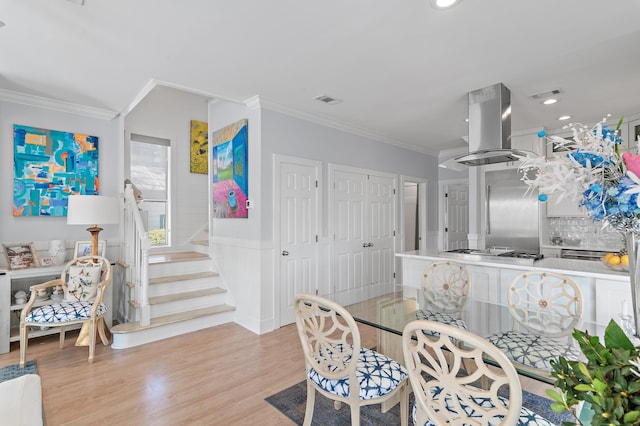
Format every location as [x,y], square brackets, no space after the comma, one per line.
[454,198]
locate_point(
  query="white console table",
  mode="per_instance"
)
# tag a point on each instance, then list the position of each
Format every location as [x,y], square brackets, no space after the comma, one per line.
[14,280]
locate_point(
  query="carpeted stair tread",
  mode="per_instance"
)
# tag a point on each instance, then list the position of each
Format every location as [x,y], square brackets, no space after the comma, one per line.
[172,318]
[167,298]
[182,256]
[182,277]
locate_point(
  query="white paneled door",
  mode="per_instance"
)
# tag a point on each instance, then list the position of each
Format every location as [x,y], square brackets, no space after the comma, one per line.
[363,223]
[299,205]
[456,216]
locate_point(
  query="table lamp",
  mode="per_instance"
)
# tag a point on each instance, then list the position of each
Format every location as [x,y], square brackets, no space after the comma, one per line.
[93,210]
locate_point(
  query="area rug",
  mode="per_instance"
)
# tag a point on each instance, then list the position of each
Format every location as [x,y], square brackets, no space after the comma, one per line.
[292,402]
[12,371]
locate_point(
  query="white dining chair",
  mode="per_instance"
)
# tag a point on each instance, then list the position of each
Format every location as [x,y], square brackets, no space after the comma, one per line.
[338,367]
[546,307]
[445,289]
[448,393]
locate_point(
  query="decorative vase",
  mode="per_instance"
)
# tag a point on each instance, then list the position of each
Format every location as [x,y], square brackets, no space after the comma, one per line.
[634,277]
[57,250]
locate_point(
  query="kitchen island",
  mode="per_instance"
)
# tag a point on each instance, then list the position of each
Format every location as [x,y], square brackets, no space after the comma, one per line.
[606,292]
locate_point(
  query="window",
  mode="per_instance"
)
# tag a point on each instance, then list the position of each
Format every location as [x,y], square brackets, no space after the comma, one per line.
[149,171]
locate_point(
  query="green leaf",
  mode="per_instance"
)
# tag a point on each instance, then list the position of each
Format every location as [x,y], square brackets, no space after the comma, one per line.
[556,396]
[583,387]
[599,386]
[583,369]
[620,122]
[557,407]
[631,416]
[615,338]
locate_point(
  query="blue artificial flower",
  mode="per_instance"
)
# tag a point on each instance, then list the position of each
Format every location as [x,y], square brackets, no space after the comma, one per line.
[542,134]
[543,198]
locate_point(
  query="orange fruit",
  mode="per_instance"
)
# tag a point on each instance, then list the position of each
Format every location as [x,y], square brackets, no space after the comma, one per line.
[625,259]
[614,260]
[608,256]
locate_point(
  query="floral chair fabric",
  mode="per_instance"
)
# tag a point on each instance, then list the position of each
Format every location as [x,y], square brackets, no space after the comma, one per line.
[84,281]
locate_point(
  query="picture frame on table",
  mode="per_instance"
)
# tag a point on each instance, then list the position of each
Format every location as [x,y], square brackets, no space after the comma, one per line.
[83,248]
[47,261]
[21,255]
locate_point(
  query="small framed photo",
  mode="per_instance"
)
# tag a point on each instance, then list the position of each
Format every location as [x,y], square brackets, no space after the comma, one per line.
[47,261]
[83,248]
[21,255]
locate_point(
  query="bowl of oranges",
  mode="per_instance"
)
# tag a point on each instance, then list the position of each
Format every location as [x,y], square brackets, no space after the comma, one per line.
[617,261]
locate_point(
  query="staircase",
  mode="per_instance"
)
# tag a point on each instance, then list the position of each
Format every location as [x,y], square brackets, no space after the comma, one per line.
[177,293]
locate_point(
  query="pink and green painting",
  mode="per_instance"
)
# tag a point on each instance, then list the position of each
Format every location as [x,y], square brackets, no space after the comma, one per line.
[229,180]
[49,166]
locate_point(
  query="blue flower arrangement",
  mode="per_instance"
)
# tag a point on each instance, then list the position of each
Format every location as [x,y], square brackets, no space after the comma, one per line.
[593,172]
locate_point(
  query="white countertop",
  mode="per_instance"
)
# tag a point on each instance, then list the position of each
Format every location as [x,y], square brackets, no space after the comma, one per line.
[583,268]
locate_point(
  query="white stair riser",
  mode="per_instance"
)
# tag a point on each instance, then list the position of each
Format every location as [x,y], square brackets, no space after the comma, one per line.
[182,286]
[187,305]
[175,268]
[129,340]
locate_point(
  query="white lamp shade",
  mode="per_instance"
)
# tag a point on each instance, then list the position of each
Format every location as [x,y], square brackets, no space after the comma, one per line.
[92,210]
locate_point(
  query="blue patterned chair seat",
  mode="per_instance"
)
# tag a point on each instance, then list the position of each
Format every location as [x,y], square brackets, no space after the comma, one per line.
[532,349]
[377,375]
[441,317]
[63,312]
[527,417]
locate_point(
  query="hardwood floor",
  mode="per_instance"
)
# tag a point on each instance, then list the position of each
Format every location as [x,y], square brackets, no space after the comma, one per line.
[217,376]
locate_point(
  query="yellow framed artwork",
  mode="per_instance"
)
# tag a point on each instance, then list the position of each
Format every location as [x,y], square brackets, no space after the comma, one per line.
[199,147]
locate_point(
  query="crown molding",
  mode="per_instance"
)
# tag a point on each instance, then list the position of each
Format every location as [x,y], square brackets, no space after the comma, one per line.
[71,108]
[324,121]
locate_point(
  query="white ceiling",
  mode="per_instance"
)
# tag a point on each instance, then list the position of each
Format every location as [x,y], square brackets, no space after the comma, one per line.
[402,68]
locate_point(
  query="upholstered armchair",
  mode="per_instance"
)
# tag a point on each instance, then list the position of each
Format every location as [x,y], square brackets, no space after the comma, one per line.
[84,281]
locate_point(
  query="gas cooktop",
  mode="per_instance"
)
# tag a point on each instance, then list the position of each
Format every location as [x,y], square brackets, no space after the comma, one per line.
[520,255]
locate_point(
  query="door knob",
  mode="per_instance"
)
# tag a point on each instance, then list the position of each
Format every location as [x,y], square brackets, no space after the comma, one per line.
[285,253]
[370,245]
[365,245]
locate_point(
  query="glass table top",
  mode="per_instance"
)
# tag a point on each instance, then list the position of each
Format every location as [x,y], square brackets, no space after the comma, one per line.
[391,312]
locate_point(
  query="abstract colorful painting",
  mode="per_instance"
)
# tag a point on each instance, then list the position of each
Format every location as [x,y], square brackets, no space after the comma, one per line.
[50,165]
[199,147]
[230,182]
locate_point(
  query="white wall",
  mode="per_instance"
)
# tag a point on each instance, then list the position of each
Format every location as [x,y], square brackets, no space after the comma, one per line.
[282,134]
[243,248]
[167,113]
[40,229]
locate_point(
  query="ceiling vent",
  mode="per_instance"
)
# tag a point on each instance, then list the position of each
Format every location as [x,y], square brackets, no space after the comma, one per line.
[545,95]
[327,99]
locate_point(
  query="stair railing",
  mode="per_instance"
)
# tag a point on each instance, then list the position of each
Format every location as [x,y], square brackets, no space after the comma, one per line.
[135,253]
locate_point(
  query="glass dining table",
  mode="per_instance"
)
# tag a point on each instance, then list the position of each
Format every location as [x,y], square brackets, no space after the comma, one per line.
[390,313]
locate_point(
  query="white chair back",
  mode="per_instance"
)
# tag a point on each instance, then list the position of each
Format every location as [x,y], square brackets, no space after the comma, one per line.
[446,285]
[545,303]
[448,375]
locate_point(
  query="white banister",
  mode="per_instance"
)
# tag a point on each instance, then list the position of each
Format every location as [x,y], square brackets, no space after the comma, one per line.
[135,253]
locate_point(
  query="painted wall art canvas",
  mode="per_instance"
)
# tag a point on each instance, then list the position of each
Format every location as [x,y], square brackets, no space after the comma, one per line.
[49,166]
[230,182]
[199,147]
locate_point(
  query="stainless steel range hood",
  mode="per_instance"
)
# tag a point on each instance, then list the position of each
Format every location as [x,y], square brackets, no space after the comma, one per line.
[490,127]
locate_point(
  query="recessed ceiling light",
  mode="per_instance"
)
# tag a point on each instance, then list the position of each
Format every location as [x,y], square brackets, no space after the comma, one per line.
[550,101]
[564,117]
[444,4]
[466,119]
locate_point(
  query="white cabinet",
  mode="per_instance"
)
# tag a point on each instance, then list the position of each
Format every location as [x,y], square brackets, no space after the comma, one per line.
[528,140]
[610,296]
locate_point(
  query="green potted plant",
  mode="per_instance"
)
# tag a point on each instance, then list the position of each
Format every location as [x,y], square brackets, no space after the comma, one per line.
[604,390]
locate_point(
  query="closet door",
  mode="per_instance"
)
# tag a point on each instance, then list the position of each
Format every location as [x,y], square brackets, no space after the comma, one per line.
[349,231]
[363,223]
